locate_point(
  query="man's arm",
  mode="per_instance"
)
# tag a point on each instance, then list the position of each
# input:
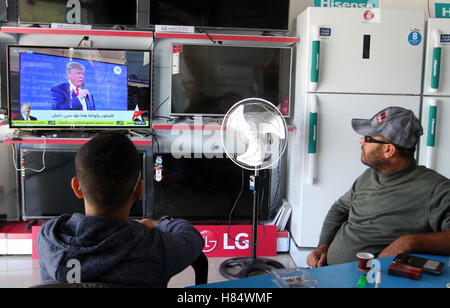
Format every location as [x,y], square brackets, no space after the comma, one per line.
[434,243]
[59,99]
[182,244]
[437,242]
[337,215]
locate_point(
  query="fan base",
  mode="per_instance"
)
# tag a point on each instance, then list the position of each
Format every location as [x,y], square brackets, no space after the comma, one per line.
[244,267]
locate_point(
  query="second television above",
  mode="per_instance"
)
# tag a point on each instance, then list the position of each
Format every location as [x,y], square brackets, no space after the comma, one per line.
[207,80]
[265,15]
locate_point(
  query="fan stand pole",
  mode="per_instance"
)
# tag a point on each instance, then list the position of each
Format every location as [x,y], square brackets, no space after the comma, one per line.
[243,267]
[255,216]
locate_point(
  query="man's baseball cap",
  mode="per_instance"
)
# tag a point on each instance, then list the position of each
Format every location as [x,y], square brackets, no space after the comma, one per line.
[398,125]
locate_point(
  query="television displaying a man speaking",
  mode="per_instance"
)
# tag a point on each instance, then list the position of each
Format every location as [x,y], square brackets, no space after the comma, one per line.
[79,88]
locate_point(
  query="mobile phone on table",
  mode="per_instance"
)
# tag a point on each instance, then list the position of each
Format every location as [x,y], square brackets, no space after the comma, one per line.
[427,265]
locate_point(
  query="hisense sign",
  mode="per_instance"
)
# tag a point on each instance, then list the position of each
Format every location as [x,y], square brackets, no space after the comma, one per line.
[348,4]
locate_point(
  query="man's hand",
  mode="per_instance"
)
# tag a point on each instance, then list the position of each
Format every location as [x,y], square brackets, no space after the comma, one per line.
[148,223]
[83,93]
[318,257]
[401,245]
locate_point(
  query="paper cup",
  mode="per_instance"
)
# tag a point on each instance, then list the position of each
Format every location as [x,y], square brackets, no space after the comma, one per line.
[364,261]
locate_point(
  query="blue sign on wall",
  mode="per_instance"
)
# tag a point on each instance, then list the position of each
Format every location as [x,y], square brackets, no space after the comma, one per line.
[442,10]
[348,3]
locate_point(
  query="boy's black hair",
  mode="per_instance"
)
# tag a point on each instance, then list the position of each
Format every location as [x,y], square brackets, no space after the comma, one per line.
[108,168]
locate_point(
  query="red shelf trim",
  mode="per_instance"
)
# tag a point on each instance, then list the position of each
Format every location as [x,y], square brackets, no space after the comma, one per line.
[67,141]
[186,127]
[24,30]
[218,37]
[48,141]
[193,127]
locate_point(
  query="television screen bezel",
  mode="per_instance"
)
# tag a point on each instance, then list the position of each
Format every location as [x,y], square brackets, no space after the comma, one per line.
[266,178]
[144,155]
[291,48]
[284,30]
[77,128]
[20,22]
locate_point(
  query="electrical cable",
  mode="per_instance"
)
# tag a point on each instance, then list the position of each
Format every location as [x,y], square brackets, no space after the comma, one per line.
[153,133]
[31,169]
[234,207]
[209,36]
[159,106]
[429,9]
[85,38]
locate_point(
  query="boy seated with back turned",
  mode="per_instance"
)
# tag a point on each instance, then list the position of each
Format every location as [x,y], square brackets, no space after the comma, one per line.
[110,247]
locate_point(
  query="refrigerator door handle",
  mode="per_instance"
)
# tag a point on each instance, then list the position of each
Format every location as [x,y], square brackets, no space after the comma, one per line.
[315,61]
[436,67]
[432,126]
[312,140]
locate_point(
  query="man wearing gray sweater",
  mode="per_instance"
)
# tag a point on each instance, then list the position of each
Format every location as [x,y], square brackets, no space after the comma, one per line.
[395,206]
[109,247]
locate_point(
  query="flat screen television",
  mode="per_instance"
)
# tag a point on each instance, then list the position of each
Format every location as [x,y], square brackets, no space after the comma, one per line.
[48,193]
[206,189]
[87,12]
[77,88]
[208,80]
[266,15]
[3,11]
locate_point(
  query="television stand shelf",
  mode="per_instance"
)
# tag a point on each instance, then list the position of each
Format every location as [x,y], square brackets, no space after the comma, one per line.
[121,33]
[194,125]
[228,37]
[80,141]
[142,40]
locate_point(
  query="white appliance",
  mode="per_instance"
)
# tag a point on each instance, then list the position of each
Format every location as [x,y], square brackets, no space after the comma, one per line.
[435,144]
[348,66]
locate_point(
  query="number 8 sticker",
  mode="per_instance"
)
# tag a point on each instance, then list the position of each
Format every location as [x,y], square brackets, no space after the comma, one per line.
[415,38]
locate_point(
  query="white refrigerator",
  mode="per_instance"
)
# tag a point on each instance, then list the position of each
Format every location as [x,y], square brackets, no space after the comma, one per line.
[350,64]
[435,144]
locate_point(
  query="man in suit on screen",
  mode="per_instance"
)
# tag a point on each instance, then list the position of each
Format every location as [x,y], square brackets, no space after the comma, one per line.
[72,95]
[25,114]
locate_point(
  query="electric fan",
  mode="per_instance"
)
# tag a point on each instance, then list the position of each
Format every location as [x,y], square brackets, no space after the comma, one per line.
[254,137]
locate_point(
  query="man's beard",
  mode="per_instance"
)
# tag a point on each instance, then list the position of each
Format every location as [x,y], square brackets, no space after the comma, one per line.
[374,159]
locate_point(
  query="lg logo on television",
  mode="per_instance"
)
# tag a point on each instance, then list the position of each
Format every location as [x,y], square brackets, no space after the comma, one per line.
[240,242]
[210,241]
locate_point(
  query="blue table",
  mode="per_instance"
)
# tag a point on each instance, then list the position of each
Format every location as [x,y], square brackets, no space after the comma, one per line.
[347,276]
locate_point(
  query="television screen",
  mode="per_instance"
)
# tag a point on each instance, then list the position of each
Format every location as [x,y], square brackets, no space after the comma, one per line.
[76,88]
[3,11]
[206,189]
[241,14]
[48,193]
[209,80]
[87,12]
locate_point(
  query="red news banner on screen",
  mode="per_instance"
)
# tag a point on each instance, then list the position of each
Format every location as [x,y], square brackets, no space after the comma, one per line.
[236,242]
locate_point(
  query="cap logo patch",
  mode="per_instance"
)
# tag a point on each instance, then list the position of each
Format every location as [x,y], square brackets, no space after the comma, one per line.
[381,118]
